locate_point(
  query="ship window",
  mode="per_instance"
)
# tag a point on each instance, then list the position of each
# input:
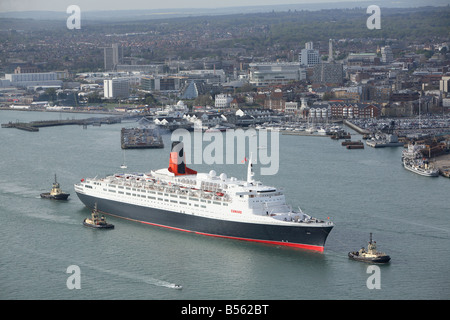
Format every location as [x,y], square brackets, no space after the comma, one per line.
[128,194]
[215,202]
[150,197]
[225,204]
[173,201]
[185,203]
[160,199]
[203,206]
[121,192]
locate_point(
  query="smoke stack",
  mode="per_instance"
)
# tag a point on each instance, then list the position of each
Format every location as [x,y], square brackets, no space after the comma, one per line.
[177,163]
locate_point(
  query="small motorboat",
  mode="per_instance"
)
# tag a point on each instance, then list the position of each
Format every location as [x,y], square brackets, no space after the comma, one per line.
[371,255]
[97,222]
[56,193]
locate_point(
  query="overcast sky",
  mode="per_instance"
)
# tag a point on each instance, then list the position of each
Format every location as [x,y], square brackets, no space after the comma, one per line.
[90,5]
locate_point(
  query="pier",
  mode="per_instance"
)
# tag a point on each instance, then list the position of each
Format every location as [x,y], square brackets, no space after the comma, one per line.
[34,126]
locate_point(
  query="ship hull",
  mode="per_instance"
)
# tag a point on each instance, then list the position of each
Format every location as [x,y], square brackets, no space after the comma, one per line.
[61,196]
[422,172]
[306,237]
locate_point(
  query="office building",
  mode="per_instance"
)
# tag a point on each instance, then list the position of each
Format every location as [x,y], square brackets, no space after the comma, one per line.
[161,83]
[112,56]
[328,73]
[386,54]
[28,80]
[116,88]
[309,57]
[265,74]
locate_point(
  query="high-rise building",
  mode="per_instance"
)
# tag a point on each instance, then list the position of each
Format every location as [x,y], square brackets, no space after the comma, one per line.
[386,54]
[444,84]
[112,56]
[330,51]
[116,88]
[309,57]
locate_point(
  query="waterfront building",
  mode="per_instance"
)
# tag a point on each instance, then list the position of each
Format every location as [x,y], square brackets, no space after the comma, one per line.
[319,112]
[343,110]
[309,57]
[268,73]
[291,107]
[116,88]
[28,80]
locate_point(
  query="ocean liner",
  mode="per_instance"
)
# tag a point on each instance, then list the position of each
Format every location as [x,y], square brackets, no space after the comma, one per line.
[182,199]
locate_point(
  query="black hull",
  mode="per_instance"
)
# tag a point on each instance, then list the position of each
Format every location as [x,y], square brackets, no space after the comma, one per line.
[98,226]
[62,196]
[380,259]
[307,237]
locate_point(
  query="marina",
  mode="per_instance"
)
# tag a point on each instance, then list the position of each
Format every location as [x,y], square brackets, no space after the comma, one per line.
[361,192]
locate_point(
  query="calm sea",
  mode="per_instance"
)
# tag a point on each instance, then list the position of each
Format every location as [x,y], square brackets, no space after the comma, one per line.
[361,191]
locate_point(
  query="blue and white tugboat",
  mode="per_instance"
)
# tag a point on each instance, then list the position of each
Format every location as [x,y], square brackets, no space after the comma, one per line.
[371,255]
[97,222]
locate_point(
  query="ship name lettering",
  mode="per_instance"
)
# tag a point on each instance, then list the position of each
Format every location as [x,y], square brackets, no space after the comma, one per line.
[236,211]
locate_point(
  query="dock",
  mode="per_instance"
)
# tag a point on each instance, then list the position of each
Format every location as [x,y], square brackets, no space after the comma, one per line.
[303,133]
[34,126]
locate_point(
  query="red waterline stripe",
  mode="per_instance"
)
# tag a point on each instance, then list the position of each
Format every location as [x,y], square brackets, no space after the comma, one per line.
[279,243]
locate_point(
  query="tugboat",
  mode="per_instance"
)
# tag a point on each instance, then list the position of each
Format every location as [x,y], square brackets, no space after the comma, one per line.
[56,192]
[96,222]
[371,255]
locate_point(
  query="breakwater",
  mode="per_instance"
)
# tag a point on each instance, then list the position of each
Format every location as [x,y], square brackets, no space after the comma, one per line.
[34,126]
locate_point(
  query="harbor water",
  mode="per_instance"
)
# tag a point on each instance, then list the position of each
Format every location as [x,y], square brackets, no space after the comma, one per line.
[362,191]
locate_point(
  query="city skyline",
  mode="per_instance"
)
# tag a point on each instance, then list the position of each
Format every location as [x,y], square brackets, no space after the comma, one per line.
[106,5]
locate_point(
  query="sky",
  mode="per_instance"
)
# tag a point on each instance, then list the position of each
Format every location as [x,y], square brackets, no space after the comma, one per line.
[94,5]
